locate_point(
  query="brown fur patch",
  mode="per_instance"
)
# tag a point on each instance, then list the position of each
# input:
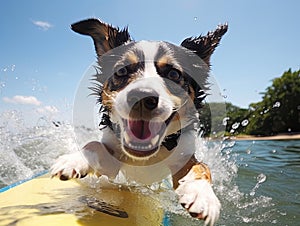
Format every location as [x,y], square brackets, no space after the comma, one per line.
[202,172]
[131,58]
[192,93]
[163,61]
[107,96]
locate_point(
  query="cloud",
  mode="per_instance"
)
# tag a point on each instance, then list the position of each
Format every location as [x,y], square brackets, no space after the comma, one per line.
[47,110]
[42,24]
[26,100]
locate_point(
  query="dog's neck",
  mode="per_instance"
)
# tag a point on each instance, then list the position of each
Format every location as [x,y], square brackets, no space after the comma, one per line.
[170,141]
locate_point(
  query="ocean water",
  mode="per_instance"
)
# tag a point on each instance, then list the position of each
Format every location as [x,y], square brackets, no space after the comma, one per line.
[258,182]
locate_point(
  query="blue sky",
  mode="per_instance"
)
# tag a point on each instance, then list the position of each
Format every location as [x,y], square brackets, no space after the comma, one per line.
[42,61]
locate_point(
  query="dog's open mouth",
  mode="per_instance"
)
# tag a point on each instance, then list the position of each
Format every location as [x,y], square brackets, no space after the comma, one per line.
[142,138]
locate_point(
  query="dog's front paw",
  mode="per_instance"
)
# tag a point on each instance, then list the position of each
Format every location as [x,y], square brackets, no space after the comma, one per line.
[70,166]
[198,197]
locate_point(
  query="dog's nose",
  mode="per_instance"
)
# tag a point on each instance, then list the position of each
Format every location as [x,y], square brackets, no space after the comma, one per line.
[150,102]
[146,98]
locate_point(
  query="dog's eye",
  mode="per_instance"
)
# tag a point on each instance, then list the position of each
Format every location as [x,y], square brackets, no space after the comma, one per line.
[122,72]
[174,75]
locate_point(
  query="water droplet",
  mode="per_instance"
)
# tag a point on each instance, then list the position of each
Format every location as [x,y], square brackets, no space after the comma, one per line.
[245,122]
[289,129]
[225,120]
[235,125]
[195,18]
[252,193]
[246,219]
[13,67]
[282,213]
[248,151]
[261,178]
[274,151]
[276,105]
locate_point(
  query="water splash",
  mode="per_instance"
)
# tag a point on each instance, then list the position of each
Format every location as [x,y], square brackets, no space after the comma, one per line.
[245,122]
[276,104]
[235,125]
[225,121]
[27,150]
[261,178]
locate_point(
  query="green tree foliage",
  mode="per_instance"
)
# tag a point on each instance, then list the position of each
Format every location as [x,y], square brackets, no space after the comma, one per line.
[278,112]
[236,120]
[211,117]
[214,121]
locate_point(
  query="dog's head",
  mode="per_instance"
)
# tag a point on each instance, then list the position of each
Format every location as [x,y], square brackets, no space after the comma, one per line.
[149,89]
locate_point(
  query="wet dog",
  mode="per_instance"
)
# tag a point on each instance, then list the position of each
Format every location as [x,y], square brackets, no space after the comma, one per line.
[150,94]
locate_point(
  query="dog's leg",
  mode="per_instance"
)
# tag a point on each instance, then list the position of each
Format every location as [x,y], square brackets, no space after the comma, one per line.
[93,158]
[193,186]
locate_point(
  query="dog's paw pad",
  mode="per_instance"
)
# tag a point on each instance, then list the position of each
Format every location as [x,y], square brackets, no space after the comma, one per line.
[69,166]
[200,200]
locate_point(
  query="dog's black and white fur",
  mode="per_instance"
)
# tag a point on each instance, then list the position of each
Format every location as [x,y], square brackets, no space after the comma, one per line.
[150,96]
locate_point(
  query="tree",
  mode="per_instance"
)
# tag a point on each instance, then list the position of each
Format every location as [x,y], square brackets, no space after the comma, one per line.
[279,110]
[233,121]
[236,120]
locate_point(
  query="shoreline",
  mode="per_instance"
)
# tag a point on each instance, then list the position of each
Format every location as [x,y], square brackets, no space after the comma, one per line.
[275,137]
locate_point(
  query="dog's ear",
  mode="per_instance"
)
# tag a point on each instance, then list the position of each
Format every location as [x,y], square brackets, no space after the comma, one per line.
[204,46]
[105,36]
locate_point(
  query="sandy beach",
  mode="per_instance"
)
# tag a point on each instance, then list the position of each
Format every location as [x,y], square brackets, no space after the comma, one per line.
[277,137]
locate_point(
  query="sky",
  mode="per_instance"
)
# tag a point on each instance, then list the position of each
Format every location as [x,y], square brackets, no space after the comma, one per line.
[42,61]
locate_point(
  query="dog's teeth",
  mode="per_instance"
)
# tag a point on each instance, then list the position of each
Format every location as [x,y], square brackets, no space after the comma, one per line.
[155,140]
[136,147]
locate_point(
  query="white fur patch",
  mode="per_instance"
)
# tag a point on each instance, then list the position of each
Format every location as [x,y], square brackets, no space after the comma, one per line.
[198,197]
[71,166]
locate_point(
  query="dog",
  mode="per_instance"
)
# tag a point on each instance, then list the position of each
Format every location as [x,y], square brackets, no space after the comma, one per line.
[150,94]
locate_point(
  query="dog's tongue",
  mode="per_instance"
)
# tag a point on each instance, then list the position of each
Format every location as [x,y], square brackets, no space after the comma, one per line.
[140,129]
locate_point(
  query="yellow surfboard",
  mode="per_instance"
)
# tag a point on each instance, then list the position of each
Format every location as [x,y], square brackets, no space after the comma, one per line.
[45,201]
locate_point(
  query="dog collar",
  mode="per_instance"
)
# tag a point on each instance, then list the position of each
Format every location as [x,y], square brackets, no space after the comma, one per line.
[170,141]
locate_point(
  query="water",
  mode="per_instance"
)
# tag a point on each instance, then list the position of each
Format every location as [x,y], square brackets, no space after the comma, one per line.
[258,182]
[270,171]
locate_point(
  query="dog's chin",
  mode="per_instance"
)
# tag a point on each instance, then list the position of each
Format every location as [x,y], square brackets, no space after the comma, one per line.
[142,138]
